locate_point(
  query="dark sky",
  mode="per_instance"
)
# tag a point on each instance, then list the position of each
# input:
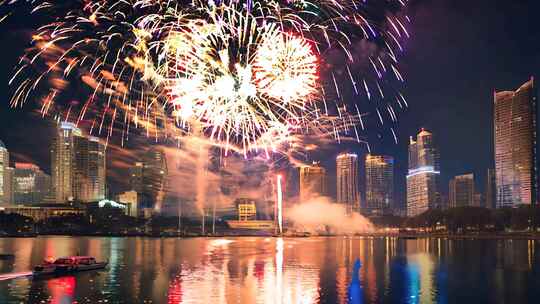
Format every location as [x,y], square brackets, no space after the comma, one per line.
[462,51]
[459,53]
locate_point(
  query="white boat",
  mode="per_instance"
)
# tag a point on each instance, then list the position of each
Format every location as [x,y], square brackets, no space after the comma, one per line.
[66,265]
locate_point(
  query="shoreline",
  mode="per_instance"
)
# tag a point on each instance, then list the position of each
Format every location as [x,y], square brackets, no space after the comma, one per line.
[406,236]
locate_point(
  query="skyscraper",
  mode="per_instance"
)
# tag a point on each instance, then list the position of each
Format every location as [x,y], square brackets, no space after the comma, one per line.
[148,177]
[491,197]
[78,165]
[461,191]
[62,161]
[136,177]
[8,193]
[422,180]
[90,166]
[312,182]
[515,146]
[30,184]
[347,181]
[379,184]
[4,175]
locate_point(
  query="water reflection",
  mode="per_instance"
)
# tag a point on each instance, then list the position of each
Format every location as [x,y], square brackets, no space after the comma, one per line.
[61,290]
[355,288]
[276,270]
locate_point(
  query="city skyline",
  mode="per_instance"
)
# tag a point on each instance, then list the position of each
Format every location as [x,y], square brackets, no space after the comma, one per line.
[270,151]
[436,102]
[148,175]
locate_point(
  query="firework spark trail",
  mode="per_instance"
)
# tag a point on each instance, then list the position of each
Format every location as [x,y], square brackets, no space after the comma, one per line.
[248,74]
[279,205]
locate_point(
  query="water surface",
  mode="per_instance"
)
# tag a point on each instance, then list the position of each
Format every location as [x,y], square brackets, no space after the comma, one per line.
[273,270]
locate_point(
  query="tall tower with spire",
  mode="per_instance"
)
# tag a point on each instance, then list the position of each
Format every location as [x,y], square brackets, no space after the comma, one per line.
[423,175]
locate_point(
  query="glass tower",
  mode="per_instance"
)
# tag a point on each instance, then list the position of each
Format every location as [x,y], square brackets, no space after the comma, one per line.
[515,114]
[347,181]
[312,182]
[379,184]
[423,177]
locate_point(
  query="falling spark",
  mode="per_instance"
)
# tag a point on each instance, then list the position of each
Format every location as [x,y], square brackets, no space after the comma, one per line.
[279,205]
[248,75]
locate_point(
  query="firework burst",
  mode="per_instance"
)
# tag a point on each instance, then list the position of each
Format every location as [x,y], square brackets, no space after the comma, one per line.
[247,75]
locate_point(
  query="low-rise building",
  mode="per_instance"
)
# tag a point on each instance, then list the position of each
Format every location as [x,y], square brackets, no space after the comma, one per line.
[131,200]
[43,212]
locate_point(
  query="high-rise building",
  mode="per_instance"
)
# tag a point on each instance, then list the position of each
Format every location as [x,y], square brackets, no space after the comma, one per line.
[148,178]
[423,177]
[312,182]
[379,185]
[478,200]
[90,169]
[515,146]
[461,191]
[62,161]
[9,173]
[78,165]
[347,181]
[136,177]
[491,197]
[5,184]
[30,184]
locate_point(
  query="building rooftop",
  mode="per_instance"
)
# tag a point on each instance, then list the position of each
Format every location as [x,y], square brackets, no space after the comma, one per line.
[346,154]
[527,85]
[2,145]
[424,132]
[505,95]
[26,166]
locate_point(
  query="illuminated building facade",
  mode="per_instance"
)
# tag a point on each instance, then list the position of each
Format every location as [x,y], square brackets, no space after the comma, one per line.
[90,169]
[78,166]
[478,200]
[379,184]
[347,181]
[515,115]
[247,210]
[248,218]
[148,178]
[9,173]
[43,212]
[62,161]
[312,182]
[5,178]
[131,200]
[423,176]
[461,191]
[30,184]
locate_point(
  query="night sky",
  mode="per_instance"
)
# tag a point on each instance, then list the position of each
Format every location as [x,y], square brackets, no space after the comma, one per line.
[459,53]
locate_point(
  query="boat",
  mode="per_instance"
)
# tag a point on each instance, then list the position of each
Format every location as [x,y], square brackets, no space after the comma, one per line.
[67,265]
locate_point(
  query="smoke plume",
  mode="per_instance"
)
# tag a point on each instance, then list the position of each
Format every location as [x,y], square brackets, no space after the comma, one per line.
[322,216]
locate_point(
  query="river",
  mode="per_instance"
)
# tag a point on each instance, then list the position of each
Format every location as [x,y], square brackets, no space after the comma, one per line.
[274,270]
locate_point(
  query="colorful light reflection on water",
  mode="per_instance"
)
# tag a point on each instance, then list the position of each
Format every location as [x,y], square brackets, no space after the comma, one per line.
[275,270]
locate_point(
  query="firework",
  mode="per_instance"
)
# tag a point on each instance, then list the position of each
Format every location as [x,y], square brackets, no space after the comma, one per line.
[279,203]
[246,75]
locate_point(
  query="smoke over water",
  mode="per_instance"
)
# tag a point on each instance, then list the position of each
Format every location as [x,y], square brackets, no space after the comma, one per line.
[202,178]
[322,216]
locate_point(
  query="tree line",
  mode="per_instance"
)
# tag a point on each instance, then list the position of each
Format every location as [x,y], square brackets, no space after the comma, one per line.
[463,219]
